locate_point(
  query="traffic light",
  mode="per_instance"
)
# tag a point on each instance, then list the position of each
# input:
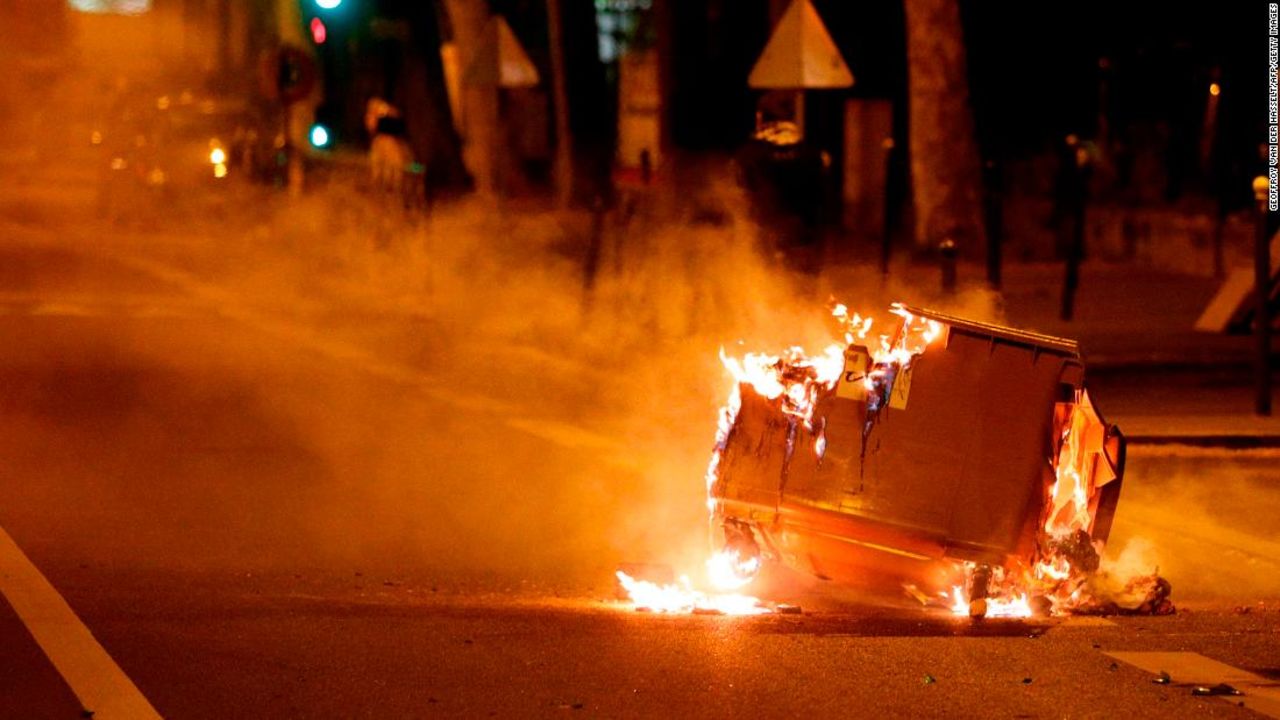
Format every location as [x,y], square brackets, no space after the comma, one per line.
[319,136]
[328,4]
[319,33]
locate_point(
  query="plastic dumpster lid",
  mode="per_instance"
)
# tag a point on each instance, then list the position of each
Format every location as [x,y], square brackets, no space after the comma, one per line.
[1008,334]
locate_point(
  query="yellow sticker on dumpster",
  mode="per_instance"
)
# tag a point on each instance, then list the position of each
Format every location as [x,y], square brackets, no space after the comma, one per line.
[853,381]
[901,389]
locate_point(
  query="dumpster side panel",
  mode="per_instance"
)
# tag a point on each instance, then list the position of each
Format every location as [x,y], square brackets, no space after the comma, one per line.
[964,461]
[751,465]
[1010,460]
[956,466]
[830,482]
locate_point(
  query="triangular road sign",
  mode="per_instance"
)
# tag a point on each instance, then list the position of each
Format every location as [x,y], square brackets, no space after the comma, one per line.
[1231,309]
[501,60]
[800,54]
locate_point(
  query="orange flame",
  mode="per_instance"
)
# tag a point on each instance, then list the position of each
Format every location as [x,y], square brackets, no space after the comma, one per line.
[726,571]
[1017,606]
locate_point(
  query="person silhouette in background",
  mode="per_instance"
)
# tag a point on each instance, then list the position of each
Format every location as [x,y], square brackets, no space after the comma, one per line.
[389,152]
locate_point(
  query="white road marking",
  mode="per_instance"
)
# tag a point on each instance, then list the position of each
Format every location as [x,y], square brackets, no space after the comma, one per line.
[1086,621]
[89,306]
[227,305]
[61,310]
[93,676]
[1260,694]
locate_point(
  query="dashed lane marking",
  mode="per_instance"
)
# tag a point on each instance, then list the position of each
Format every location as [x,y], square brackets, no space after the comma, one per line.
[1187,668]
[93,676]
[92,308]
[1086,621]
[226,304]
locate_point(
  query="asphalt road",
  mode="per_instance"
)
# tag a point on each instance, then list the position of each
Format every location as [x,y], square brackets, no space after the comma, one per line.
[256,519]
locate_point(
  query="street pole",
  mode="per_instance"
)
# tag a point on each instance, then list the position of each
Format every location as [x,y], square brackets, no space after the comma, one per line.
[560,95]
[947,252]
[886,228]
[1074,197]
[294,177]
[799,114]
[995,224]
[223,12]
[1075,248]
[1261,300]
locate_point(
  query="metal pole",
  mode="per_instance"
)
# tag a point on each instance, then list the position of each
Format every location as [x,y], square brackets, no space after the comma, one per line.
[1261,301]
[560,94]
[947,251]
[1075,246]
[1219,259]
[294,170]
[591,263]
[886,227]
[800,112]
[222,11]
[995,224]
[1075,196]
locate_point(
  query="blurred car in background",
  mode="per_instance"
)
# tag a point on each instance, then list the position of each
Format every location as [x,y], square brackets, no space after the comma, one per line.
[180,147]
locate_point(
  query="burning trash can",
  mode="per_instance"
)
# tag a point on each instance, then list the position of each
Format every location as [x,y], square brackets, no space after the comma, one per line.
[934,449]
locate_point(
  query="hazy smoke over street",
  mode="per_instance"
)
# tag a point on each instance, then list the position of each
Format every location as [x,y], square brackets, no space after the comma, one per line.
[497,358]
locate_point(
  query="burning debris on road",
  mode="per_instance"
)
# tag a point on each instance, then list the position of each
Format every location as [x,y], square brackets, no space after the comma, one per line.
[946,454]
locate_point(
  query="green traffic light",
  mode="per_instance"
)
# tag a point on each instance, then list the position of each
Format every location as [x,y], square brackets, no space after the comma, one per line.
[319,136]
[328,4]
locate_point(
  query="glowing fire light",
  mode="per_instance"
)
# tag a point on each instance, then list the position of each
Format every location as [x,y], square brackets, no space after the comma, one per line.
[1018,606]
[727,570]
[682,598]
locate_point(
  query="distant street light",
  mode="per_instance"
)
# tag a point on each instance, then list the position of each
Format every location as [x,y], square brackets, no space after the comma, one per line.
[1260,187]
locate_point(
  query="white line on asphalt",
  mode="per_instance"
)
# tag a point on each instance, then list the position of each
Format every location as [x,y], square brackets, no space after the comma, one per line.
[1086,621]
[93,676]
[1187,668]
[56,309]
[225,303]
[88,307]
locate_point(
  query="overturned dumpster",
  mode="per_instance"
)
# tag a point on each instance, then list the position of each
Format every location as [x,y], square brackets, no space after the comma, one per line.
[943,446]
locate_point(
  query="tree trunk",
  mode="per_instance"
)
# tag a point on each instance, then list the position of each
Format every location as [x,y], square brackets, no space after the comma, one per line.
[425,101]
[560,103]
[478,105]
[945,168]
[587,95]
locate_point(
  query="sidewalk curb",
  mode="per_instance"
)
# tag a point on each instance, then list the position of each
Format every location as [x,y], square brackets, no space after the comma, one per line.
[1222,441]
